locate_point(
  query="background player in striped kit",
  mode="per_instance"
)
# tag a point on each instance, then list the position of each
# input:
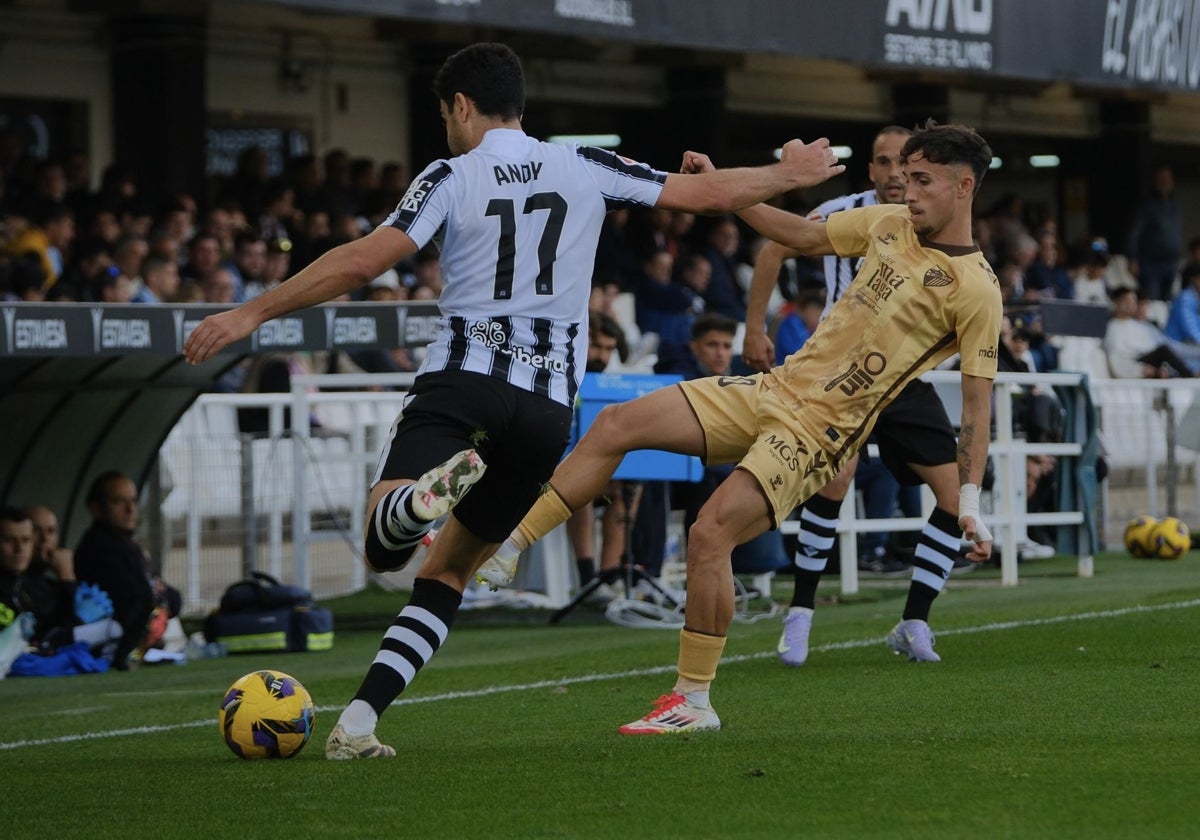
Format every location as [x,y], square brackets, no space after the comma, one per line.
[914,435]
[517,222]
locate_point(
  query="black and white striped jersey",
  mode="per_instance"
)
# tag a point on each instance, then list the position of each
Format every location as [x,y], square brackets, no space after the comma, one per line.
[839,271]
[517,221]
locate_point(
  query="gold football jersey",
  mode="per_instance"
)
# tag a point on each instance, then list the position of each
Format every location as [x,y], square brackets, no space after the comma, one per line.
[912,305]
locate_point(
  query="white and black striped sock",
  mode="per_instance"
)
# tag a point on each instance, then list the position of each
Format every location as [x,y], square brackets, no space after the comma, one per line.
[410,642]
[818,529]
[395,531]
[932,562]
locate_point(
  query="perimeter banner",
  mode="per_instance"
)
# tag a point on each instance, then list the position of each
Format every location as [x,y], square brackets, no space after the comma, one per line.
[92,329]
[1101,43]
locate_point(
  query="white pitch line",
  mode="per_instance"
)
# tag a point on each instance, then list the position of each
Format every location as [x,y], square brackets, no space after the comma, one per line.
[639,672]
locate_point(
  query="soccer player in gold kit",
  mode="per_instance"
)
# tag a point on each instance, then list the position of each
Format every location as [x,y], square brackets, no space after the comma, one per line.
[924,293]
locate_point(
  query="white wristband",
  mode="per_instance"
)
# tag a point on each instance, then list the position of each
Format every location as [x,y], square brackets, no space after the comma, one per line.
[968,505]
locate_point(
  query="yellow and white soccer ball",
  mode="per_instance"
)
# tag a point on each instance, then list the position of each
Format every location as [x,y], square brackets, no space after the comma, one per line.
[1138,536]
[266,714]
[1171,538]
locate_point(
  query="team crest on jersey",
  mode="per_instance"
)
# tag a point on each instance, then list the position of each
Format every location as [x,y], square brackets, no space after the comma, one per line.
[936,277]
[492,333]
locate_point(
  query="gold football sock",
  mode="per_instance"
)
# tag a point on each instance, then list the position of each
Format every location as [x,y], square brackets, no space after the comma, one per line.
[698,658]
[547,513]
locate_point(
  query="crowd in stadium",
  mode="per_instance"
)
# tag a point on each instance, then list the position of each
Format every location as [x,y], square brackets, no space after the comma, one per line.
[64,241]
[656,271]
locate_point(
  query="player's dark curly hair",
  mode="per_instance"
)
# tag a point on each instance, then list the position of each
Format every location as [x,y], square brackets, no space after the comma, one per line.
[488,74]
[950,144]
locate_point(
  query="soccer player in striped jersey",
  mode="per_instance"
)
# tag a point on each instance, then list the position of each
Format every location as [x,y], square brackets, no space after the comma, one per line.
[924,294]
[914,435]
[517,222]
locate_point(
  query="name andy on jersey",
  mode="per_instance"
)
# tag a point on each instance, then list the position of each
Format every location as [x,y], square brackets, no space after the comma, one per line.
[520,172]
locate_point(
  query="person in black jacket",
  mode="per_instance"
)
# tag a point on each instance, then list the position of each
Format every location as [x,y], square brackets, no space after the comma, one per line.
[109,557]
[25,587]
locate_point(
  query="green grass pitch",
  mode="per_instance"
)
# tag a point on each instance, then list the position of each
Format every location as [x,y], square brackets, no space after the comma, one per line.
[1062,708]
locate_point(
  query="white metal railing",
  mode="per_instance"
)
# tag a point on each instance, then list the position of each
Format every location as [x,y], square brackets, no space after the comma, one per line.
[313,468]
[1008,518]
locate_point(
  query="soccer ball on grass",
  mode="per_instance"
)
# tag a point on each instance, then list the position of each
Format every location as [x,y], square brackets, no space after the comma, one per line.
[1171,538]
[1138,536]
[266,714]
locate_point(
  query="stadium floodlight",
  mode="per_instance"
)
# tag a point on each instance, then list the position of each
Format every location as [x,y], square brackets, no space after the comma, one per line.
[996,163]
[1043,161]
[839,152]
[603,141]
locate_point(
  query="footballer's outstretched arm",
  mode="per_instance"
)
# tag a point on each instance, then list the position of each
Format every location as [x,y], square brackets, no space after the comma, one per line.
[758,351]
[796,232]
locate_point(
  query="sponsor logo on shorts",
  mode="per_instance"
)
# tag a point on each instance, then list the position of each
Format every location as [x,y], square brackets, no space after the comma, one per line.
[725,381]
[786,453]
[859,376]
[777,481]
[936,277]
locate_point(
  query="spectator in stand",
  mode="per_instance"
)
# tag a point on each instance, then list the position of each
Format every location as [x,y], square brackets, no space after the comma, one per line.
[664,307]
[160,281]
[796,322]
[204,258]
[279,260]
[1047,276]
[337,197]
[248,183]
[1091,286]
[109,557]
[615,253]
[386,288]
[178,219]
[1138,349]
[219,287]
[304,176]
[128,254]
[1183,322]
[91,261]
[393,181]
[364,180]
[1007,221]
[163,244]
[1156,237]
[427,268]
[278,212]
[48,235]
[724,295]
[221,224]
[249,264]
[112,287]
